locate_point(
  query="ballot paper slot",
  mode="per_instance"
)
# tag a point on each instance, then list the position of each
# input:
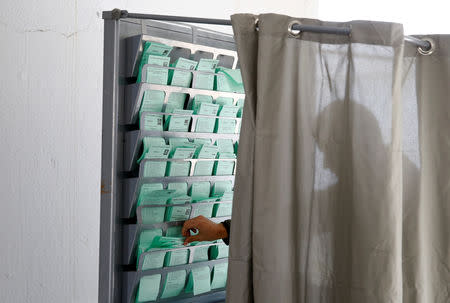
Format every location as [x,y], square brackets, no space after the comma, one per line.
[133,142]
[194,163]
[132,282]
[131,234]
[132,187]
[134,93]
[185,211]
[189,123]
[190,249]
[135,47]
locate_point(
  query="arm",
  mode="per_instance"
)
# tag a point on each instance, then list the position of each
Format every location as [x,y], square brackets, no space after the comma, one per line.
[207,230]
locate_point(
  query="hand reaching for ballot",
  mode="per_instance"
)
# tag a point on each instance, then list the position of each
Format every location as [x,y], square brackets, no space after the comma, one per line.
[207,230]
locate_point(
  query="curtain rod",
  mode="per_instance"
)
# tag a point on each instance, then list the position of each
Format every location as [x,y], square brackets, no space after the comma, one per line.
[425,46]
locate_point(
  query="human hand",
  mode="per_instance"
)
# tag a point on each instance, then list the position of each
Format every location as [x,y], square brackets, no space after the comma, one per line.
[207,230]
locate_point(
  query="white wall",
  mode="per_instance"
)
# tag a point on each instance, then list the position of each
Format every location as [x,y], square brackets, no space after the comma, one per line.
[50,138]
[417,16]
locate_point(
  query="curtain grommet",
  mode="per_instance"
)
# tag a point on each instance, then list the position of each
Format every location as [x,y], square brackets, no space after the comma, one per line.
[427,52]
[257,24]
[294,32]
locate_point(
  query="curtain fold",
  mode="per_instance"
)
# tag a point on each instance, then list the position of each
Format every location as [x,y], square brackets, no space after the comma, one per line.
[342,185]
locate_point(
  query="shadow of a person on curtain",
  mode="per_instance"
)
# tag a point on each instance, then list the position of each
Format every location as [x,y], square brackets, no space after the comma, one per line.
[355,243]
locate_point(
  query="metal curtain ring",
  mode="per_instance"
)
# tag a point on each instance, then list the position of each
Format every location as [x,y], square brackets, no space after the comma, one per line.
[429,51]
[294,32]
[257,24]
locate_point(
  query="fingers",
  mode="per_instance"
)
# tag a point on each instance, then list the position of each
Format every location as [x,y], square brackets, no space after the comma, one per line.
[192,239]
[192,223]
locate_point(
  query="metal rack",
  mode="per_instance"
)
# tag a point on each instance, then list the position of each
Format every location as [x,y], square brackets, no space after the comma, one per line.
[122,177]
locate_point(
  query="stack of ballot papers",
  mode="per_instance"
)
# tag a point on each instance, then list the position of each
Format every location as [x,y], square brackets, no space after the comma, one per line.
[180,168]
[199,280]
[219,251]
[229,80]
[153,49]
[148,289]
[178,213]
[145,241]
[157,75]
[172,258]
[199,99]
[201,253]
[152,215]
[180,78]
[220,187]
[224,168]
[153,259]
[205,168]
[178,122]
[206,124]
[154,148]
[199,192]
[151,122]
[219,276]
[205,80]
[224,209]
[152,101]
[173,284]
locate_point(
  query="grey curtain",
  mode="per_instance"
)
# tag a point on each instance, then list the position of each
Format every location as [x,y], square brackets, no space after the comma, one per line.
[342,189]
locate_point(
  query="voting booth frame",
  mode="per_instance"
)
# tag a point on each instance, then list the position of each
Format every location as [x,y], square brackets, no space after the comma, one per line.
[121,141]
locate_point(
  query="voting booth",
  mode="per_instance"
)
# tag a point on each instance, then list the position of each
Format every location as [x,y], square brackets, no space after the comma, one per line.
[172,107]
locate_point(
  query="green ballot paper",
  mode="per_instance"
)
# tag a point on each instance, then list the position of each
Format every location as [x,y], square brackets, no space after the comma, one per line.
[174,231]
[205,80]
[201,254]
[199,99]
[175,102]
[178,123]
[145,240]
[201,141]
[203,210]
[220,187]
[225,126]
[224,168]
[229,80]
[228,111]
[179,213]
[156,168]
[148,288]
[227,101]
[155,259]
[152,122]
[205,168]
[177,257]
[199,280]
[180,187]
[219,251]
[180,77]
[173,284]
[179,142]
[225,146]
[151,215]
[206,124]
[157,75]
[224,209]
[152,101]
[200,190]
[181,168]
[219,276]
[152,48]
[148,188]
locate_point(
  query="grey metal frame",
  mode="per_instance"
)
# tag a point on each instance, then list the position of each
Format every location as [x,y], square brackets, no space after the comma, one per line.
[120,184]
